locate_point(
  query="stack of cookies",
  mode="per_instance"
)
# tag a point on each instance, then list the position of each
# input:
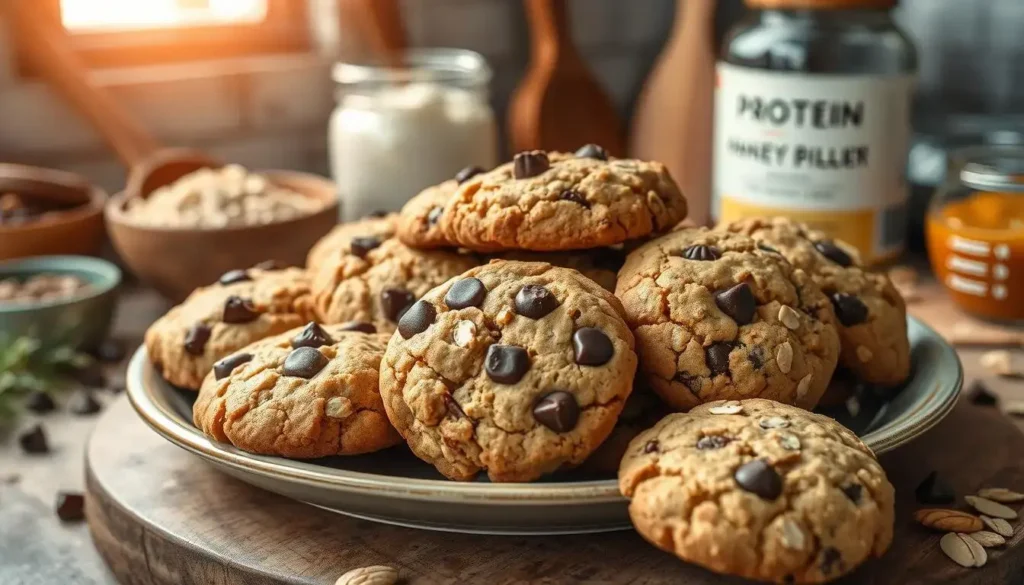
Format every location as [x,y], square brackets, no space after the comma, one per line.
[545,315]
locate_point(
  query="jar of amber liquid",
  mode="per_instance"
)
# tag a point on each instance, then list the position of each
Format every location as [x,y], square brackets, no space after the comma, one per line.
[975,232]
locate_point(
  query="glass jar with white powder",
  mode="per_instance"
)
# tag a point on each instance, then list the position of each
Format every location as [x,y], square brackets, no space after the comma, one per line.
[398,130]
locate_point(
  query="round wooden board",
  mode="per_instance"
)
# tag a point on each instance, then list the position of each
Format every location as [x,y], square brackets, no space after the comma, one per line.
[159,516]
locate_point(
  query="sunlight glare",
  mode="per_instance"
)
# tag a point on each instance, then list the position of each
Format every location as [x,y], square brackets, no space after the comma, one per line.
[85,15]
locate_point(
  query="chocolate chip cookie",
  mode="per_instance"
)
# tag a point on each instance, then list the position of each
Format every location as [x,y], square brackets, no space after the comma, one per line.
[419,223]
[310,392]
[872,316]
[340,238]
[642,410]
[716,316]
[600,264]
[760,490]
[375,279]
[514,369]
[214,321]
[555,201]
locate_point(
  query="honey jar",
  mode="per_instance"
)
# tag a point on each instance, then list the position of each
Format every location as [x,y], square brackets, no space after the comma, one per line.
[975,232]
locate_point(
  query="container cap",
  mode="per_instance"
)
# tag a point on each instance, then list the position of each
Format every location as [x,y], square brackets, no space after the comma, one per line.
[821,4]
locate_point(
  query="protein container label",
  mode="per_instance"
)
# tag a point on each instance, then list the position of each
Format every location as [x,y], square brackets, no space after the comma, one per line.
[828,150]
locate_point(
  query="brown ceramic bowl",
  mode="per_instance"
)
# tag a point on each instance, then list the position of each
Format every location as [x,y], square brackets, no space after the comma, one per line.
[74,231]
[176,261]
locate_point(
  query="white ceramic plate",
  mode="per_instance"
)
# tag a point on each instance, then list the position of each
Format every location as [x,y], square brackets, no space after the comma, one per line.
[394,487]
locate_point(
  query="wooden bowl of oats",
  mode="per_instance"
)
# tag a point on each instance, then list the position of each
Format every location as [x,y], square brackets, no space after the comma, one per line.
[187,234]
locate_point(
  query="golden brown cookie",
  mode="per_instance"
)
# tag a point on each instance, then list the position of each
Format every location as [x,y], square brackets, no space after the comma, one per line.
[341,236]
[419,223]
[642,410]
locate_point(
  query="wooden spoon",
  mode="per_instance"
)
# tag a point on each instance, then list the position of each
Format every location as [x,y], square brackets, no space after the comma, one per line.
[380,26]
[559,105]
[151,166]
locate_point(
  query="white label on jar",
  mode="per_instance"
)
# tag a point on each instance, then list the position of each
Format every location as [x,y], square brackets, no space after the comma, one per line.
[829,150]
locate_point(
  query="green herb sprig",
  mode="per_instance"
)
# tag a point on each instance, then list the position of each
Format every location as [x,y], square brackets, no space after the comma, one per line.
[26,366]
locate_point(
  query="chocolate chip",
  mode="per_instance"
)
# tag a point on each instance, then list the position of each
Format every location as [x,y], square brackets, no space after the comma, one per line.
[434,215]
[376,214]
[651,446]
[557,411]
[710,442]
[760,479]
[738,302]
[849,309]
[394,302]
[90,375]
[417,319]
[592,347]
[361,245]
[83,402]
[717,357]
[360,326]
[196,338]
[574,196]
[978,394]
[312,335]
[701,252]
[304,362]
[453,406]
[530,164]
[468,292]
[110,351]
[934,491]
[467,174]
[33,440]
[831,560]
[224,367]
[506,364]
[853,491]
[238,310]
[234,276]
[691,382]
[40,402]
[766,248]
[535,301]
[833,252]
[592,151]
[116,388]
[70,506]
[756,357]
[271,265]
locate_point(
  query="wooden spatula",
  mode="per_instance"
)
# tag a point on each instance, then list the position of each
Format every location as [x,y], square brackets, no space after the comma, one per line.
[558,104]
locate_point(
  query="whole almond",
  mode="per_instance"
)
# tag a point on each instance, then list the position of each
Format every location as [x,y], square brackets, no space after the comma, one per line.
[789,317]
[948,520]
[784,357]
[990,508]
[1001,495]
[999,526]
[956,549]
[988,539]
[375,575]
[977,551]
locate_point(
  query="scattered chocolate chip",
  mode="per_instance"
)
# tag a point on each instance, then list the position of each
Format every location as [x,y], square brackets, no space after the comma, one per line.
[196,338]
[239,310]
[592,347]
[90,375]
[304,362]
[506,364]
[766,248]
[557,411]
[234,276]
[434,215]
[224,367]
[453,406]
[592,151]
[271,265]
[853,491]
[530,164]
[116,388]
[831,561]
[701,252]
[574,196]
[312,335]
[33,440]
[360,326]
[738,302]
[833,252]
[417,319]
[651,446]
[40,402]
[934,491]
[468,292]
[70,506]
[849,309]
[110,351]
[467,174]
[361,245]
[535,301]
[756,357]
[394,302]
[759,478]
[712,442]
[979,395]
[717,357]
[83,402]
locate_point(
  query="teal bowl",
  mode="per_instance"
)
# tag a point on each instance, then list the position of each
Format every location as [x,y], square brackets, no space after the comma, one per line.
[79,321]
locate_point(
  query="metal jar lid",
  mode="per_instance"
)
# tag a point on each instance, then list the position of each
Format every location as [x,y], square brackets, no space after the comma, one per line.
[994,169]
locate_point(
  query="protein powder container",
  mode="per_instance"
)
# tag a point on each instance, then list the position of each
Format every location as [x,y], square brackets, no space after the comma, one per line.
[812,119]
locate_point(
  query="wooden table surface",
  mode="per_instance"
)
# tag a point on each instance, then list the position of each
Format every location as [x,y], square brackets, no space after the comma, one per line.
[37,549]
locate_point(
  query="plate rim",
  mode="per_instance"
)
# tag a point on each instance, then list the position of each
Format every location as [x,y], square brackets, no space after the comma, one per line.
[159,417]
